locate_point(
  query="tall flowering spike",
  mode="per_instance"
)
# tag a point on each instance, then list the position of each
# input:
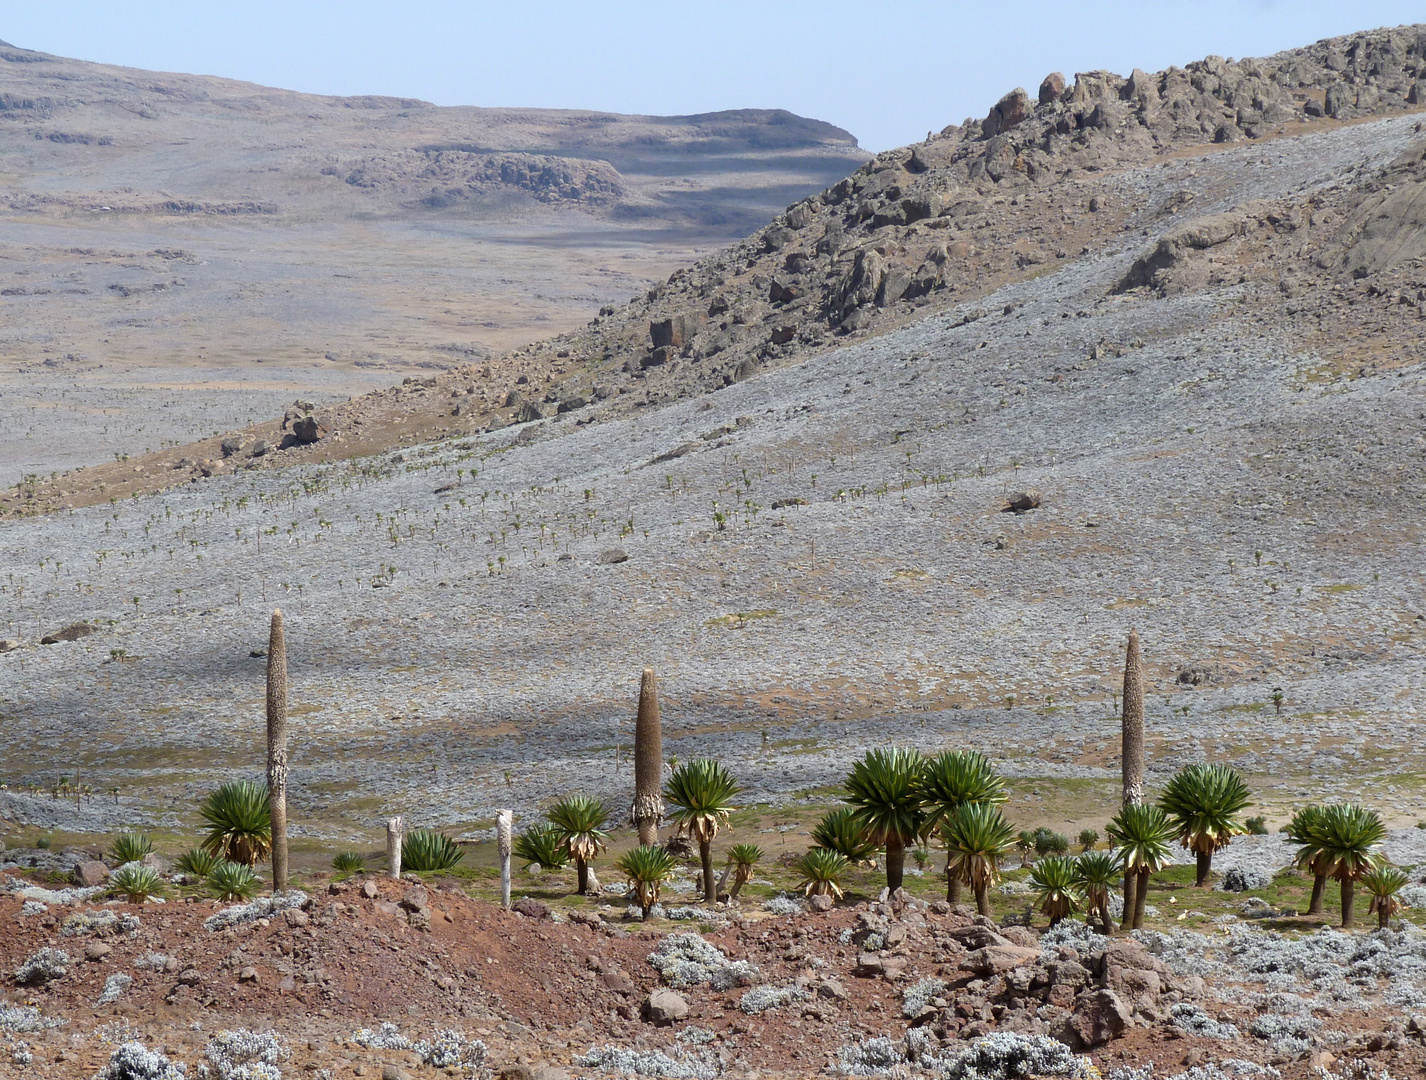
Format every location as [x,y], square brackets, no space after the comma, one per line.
[504,828]
[277,747]
[647,808]
[1132,748]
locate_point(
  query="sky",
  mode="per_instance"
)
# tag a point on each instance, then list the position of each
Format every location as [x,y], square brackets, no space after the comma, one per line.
[886,73]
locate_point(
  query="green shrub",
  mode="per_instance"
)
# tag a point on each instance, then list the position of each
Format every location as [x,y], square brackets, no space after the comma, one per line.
[821,870]
[239,817]
[647,867]
[841,831]
[233,881]
[130,847]
[135,882]
[197,861]
[543,844]
[1049,842]
[1256,826]
[426,849]
[1087,839]
[43,843]
[349,862]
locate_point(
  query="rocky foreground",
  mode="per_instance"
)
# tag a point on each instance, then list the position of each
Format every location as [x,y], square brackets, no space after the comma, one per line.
[373,977]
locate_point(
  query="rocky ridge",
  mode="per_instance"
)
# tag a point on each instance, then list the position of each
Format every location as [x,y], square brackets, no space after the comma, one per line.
[1035,184]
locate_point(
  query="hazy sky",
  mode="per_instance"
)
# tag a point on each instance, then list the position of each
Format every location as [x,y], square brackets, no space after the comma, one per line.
[888,73]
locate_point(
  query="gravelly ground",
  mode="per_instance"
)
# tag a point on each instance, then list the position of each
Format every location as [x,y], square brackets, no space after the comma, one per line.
[1201,480]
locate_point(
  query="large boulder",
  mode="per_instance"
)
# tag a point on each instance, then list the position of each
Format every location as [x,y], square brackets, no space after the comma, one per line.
[69,633]
[995,959]
[90,873]
[1006,113]
[663,1007]
[1097,1018]
[307,430]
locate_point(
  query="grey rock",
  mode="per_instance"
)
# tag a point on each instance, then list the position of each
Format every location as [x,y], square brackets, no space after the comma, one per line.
[531,908]
[308,430]
[70,633]
[663,1007]
[1097,1018]
[611,556]
[90,873]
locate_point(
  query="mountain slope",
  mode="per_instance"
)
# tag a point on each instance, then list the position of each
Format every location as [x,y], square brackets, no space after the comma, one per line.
[213,248]
[1033,186]
[1220,411]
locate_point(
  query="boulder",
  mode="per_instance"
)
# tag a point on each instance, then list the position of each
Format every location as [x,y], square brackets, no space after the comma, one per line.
[235,444]
[870,966]
[69,633]
[1097,1018]
[531,908]
[88,874]
[781,335]
[781,290]
[1337,99]
[296,917]
[527,413]
[676,331]
[97,950]
[976,936]
[663,1007]
[611,556]
[307,430]
[893,286]
[819,903]
[1006,113]
[416,898]
[831,990]
[8,645]
[778,237]
[369,890]
[1022,501]
[862,282]
[1052,88]
[995,959]
[617,981]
